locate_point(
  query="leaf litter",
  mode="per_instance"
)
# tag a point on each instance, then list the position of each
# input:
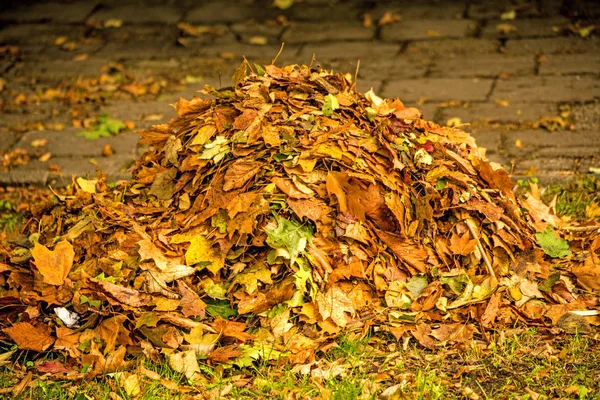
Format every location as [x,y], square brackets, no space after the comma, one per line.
[264,223]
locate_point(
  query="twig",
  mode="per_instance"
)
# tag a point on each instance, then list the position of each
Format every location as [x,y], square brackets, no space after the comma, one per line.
[277,56]
[486,260]
[581,228]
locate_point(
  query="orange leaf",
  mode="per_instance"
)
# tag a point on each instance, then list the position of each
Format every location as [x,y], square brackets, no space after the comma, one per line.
[29,337]
[54,265]
[462,245]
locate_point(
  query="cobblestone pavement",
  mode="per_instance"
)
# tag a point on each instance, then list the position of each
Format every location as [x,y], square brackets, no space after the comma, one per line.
[524,83]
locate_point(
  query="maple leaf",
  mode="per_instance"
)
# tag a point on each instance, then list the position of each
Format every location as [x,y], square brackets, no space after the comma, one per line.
[29,337]
[54,265]
[553,245]
[461,245]
[289,235]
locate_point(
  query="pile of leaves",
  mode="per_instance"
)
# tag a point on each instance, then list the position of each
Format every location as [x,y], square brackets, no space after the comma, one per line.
[264,222]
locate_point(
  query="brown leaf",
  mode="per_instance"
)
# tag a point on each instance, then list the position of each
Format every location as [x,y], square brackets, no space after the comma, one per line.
[231,329]
[406,250]
[196,105]
[128,296]
[67,339]
[191,304]
[288,187]
[225,353]
[588,274]
[240,172]
[334,304]
[491,311]
[52,367]
[112,332]
[461,245]
[457,333]
[54,265]
[30,337]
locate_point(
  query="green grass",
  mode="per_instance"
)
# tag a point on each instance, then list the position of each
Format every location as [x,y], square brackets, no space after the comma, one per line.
[573,198]
[10,218]
[513,366]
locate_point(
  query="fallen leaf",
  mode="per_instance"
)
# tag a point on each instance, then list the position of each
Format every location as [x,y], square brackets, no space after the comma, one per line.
[30,337]
[54,265]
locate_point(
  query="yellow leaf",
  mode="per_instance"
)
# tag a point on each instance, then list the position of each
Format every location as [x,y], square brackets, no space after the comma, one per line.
[54,265]
[509,15]
[249,279]
[87,185]
[454,122]
[185,363]
[131,384]
[592,211]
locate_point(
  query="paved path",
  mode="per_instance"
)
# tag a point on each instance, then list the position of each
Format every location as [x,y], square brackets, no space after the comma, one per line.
[528,87]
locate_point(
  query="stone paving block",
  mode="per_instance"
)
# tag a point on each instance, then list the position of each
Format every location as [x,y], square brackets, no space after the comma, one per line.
[492,112]
[197,42]
[427,29]
[341,11]
[587,116]
[554,169]
[349,50]
[227,11]
[525,28]
[143,114]
[247,30]
[378,67]
[425,10]
[115,167]
[234,53]
[489,139]
[71,13]
[147,49]
[7,139]
[132,14]
[539,142]
[66,143]
[158,32]
[485,9]
[438,89]
[548,89]
[559,45]
[306,32]
[23,177]
[565,64]
[452,47]
[491,65]
[55,70]
[44,34]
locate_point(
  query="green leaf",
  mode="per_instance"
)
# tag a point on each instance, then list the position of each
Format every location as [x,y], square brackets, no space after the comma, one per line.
[554,246]
[219,220]
[417,284]
[260,70]
[547,284]
[441,183]
[331,104]
[93,303]
[220,308]
[456,283]
[289,235]
[103,127]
